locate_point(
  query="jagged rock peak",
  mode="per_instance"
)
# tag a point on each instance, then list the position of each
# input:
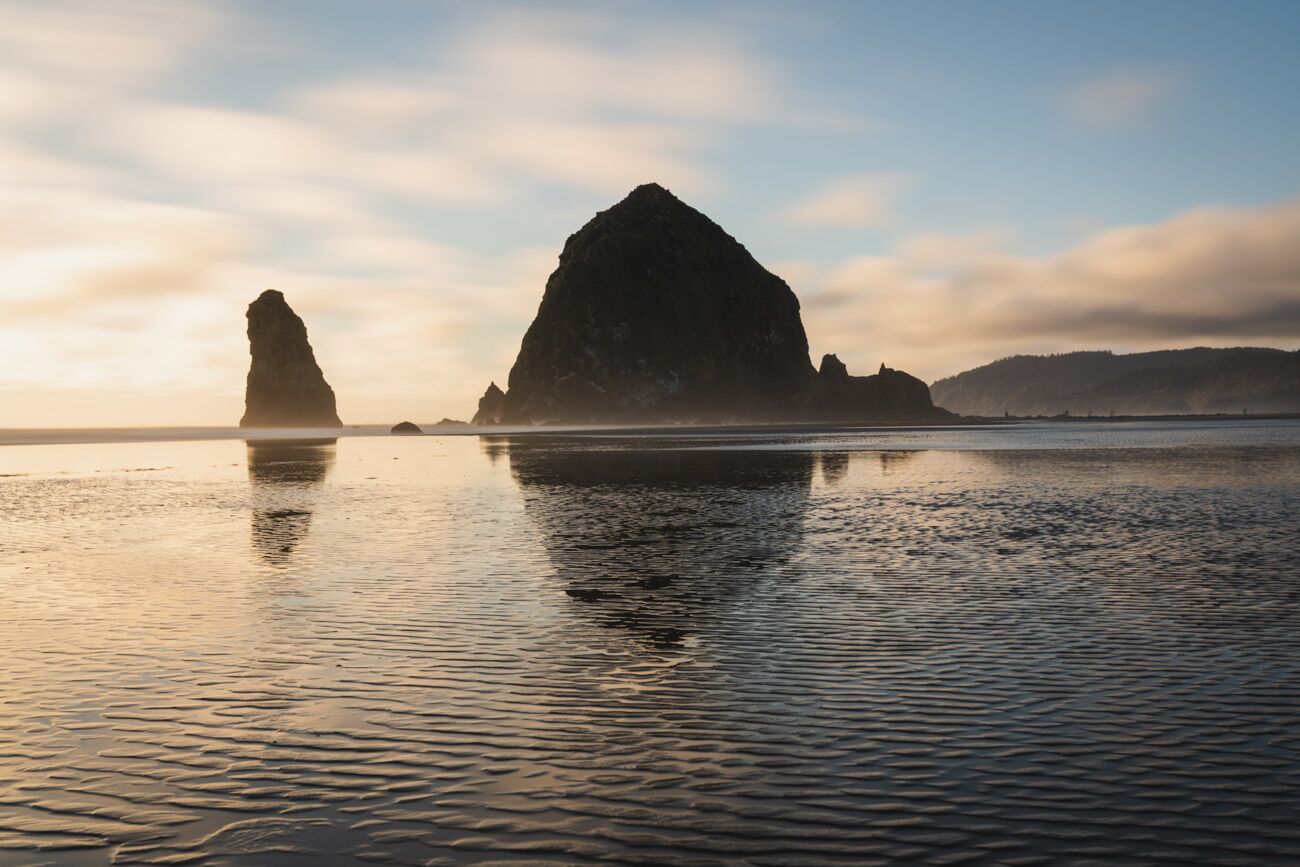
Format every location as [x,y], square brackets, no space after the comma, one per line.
[649,195]
[490,406]
[285,385]
[651,191]
[656,313]
[833,368]
[888,394]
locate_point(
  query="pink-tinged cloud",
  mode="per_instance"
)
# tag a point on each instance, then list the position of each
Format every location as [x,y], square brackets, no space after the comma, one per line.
[1214,276]
[863,201]
[1120,97]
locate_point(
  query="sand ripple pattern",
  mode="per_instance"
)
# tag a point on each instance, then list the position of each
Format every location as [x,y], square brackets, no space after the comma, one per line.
[438,651]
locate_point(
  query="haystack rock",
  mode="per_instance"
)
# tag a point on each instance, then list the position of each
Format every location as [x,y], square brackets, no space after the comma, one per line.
[285,385]
[406,428]
[490,406]
[656,314]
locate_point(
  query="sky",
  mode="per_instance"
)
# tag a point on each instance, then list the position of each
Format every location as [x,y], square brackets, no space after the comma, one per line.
[941,183]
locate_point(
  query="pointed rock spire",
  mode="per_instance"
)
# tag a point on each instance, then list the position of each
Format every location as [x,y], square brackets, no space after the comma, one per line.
[490,406]
[285,385]
[833,368]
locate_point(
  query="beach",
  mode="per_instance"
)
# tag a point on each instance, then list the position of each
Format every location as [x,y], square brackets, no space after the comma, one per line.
[927,645]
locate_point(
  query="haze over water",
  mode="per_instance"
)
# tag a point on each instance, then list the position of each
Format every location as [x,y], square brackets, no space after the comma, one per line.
[976,645]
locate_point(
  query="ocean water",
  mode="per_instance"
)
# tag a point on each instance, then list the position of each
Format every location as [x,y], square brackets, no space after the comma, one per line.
[1068,643]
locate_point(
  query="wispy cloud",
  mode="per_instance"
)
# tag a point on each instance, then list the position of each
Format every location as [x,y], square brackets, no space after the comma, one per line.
[133,178]
[940,250]
[105,43]
[159,196]
[1211,275]
[1120,97]
[856,201]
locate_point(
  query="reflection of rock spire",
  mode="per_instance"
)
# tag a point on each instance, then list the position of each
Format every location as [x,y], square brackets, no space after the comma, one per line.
[656,541]
[283,474]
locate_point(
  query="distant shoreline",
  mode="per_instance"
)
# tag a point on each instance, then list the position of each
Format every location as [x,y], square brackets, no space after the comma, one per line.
[88,436]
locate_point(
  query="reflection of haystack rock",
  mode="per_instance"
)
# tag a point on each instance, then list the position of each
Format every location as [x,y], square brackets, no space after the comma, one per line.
[657,541]
[283,474]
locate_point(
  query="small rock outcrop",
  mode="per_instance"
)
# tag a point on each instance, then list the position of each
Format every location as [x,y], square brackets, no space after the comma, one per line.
[888,394]
[657,314]
[407,428]
[452,422]
[285,385]
[490,406]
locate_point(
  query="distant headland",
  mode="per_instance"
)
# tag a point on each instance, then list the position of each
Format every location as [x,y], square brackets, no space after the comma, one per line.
[1242,380]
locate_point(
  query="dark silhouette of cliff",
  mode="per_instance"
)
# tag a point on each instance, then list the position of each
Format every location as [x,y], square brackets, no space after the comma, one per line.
[655,314]
[1176,381]
[285,385]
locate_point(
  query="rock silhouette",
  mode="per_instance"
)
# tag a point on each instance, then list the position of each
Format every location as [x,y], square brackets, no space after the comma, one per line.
[490,406]
[285,385]
[655,314]
[888,393]
[406,428]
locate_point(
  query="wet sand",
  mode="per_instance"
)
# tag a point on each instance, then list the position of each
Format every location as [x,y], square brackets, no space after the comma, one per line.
[1000,645]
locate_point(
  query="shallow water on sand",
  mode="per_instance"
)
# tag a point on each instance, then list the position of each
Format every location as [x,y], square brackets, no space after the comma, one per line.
[1066,643]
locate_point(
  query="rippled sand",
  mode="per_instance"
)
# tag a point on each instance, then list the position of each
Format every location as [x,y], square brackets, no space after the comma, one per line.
[1064,644]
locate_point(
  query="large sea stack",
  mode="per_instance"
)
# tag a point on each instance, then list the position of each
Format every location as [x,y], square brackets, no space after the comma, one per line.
[656,314]
[285,385]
